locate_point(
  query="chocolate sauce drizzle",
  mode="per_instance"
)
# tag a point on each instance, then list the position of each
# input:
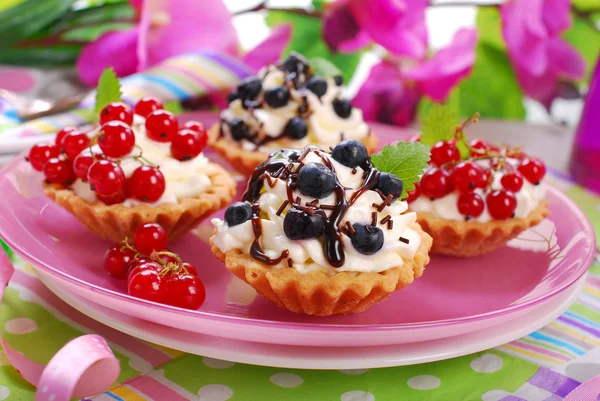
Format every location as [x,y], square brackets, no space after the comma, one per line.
[282,162]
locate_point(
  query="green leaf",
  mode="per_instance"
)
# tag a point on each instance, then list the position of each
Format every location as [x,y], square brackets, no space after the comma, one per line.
[406,160]
[319,5]
[489,27]
[109,89]
[586,5]
[439,124]
[492,88]
[91,33]
[307,40]
[55,56]
[28,17]
[324,68]
[586,39]
[6,4]
[174,107]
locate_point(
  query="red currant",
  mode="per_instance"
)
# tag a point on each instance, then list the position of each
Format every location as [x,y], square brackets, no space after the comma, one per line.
[436,183]
[116,112]
[479,148]
[470,204]
[414,194]
[107,178]
[40,154]
[533,170]
[501,204]
[467,176]
[58,171]
[512,181]
[161,126]
[60,135]
[117,260]
[142,264]
[150,237]
[443,152]
[112,199]
[195,126]
[74,142]
[147,105]
[146,184]
[186,291]
[148,285]
[191,269]
[187,144]
[82,164]
[116,139]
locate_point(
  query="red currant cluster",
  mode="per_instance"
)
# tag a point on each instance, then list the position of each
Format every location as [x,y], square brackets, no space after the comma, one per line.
[153,272]
[448,173]
[63,162]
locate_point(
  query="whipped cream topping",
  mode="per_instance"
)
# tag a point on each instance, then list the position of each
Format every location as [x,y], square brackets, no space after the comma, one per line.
[325,127]
[308,255]
[528,198]
[184,179]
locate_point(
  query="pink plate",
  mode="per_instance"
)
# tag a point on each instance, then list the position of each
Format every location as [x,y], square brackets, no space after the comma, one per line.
[454,296]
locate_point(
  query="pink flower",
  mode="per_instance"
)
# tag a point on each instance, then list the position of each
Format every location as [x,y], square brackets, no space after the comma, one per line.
[392,91]
[165,28]
[531,29]
[397,25]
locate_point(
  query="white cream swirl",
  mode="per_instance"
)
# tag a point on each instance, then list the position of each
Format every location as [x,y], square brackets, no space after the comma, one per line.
[184,179]
[308,255]
[325,127]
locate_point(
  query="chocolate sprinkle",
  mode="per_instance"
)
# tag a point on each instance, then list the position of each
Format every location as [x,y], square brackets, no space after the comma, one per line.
[351,229]
[402,239]
[386,219]
[282,207]
[390,224]
[374,218]
[290,262]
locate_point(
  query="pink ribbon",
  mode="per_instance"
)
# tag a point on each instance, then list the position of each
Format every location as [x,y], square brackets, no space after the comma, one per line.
[83,367]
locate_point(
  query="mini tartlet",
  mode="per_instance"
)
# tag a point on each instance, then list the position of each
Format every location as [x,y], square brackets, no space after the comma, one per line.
[286,106]
[474,206]
[134,170]
[321,233]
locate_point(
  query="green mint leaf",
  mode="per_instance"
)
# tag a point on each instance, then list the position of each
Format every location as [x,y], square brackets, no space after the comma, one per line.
[406,160]
[324,68]
[109,89]
[439,124]
[174,107]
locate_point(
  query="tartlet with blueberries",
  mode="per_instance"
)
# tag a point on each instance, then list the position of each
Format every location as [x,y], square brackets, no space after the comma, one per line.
[136,167]
[322,232]
[473,204]
[286,106]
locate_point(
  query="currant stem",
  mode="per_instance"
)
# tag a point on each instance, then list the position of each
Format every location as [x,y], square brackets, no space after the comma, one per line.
[471,120]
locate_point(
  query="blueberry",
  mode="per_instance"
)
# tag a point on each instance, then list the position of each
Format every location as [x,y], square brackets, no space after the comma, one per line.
[350,152]
[277,97]
[238,213]
[296,128]
[238,129]
[249,88]
[367,239]
[317,85]
[389,184]
[342,108]
[295,63]
[298,224]
[339,80]
[316,180]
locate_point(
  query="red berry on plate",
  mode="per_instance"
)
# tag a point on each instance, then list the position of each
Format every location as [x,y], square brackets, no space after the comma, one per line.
[436,183]
[195,126]
[147,105]
[58,171]
[146,184]
[117,260]
[187,144]
[142,264]
[161,126]
[148,285]
[116,139]
[186,291]
[40,154]
[74,142]
[191,269]
[116,112]
[467,176]
[60,135]
[501,204]
[479,148]
[150,237]
[169,258]
[414,194]
[512,181]
[533,170]
[107,178]
[443,152]
[470,204]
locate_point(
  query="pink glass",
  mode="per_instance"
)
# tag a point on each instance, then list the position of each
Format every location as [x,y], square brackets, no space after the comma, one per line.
[453,297]
[585,157]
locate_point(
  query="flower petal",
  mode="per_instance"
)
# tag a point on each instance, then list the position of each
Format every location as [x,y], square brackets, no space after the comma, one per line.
[341,30]
[565,61]
[556,16]
[113,49]
[270,49]
[438,75]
